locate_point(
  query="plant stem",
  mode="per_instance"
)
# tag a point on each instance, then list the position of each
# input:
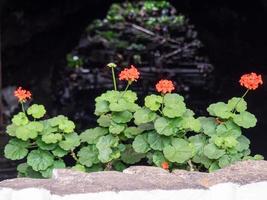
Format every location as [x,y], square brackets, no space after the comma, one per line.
[73,155]
[114,79]
[129,83]
[191,166]
[234,109]
[22,107]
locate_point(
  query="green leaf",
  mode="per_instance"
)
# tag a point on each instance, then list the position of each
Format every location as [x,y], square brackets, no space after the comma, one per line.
[224,161]
[243,143]
[239,104]
[95,168]
[35,126]
[16,149]
[70,141]
[179,151]
[166,126]
[52,138]
[198,141]
[158,158]
[104,145]
[129,156]
[122,117]
[37,111]
[92,135]
[120,105]
[119,166]
[208,125]
[228,128]
[131,132]
[190,123]
[143,116]
[20,119]
[67,126]
[88,155]
[116,128]
[201,158]
[44,146]
[101,107]
[22,169]
[79,168]
[157,142]
[104,120]
[214,166]
[153,102]
[213,152]
[58,152]
[110,96]
[220,110]
[140,144]
[245,119]
[174,105]
[40,160]
[11,129]
[130,96]
[24,133]
[58,164]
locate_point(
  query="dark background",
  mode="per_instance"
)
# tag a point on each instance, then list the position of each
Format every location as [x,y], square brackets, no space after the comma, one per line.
[37,35]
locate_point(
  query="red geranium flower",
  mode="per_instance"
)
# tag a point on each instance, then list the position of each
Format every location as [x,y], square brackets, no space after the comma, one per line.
[165,165]
[165,86]
[129,74]
[251,81]
[22,94]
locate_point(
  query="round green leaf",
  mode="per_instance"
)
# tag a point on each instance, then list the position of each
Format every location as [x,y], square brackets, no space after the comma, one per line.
[158,158]
[239,104]
[44,146]
[104,120]
[140,144]
[122,117]
[208,125]
[131,132]
[92,135]
[157,142]
[129,156]
[220,110]
[166,126]
[116,128]
[40,160]
[16,149]
[143,116]
[101,107]
[213,152]
[243,143]
[52,138]
[20,119]
[245,119]
[190,123]
[24,133]
[179,151]
[88,155]
[70,141]
[153,102]
[37,111]
[58,152]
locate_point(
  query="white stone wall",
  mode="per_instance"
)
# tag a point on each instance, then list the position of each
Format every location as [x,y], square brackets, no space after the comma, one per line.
[225,191]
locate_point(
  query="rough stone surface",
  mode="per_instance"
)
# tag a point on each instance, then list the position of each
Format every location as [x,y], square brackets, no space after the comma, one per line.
[66,181]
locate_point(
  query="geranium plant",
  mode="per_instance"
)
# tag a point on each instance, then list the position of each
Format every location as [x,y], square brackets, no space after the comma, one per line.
[163,132]
[43,142]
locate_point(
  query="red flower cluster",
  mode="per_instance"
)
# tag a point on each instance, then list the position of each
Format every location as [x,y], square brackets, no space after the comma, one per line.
[251,81]
[129,74]
[165,86]
[165,165]
[22,94]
